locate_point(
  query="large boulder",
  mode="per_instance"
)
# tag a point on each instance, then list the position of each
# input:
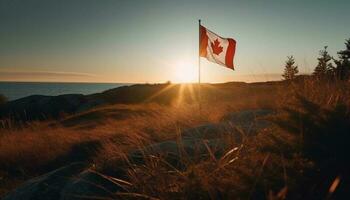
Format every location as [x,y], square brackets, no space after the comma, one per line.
[90,184]
[249,119]
[47,186]
[195,143]
[175,152]
[236,124]
[74,181]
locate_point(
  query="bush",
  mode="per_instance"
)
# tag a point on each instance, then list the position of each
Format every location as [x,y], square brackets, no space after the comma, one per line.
[323,132]
[322,138]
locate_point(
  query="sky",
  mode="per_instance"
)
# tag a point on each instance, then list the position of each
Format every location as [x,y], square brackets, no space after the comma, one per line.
[138,41]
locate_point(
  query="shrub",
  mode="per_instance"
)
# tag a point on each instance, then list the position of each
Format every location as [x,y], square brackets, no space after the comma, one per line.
[322,138]
[323,132]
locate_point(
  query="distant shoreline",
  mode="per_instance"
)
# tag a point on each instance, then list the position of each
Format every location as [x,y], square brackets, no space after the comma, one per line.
[17,90]
[66,82]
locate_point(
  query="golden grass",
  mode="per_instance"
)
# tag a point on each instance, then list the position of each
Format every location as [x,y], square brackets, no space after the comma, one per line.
[263,166]
[29,151]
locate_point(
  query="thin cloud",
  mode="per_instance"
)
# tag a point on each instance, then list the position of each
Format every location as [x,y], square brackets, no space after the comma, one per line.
[44,75]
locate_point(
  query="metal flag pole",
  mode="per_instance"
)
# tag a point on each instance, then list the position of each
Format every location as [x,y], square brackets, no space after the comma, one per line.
[199,66]
[199,51]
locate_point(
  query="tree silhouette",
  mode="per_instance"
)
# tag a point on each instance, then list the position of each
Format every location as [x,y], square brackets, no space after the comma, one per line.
[342,70]
[324,67]
[290,70]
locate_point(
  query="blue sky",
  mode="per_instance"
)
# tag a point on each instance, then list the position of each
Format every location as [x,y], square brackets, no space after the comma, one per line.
[156,41]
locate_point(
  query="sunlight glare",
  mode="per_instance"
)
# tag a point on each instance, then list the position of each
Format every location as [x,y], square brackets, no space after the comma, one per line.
[184,72]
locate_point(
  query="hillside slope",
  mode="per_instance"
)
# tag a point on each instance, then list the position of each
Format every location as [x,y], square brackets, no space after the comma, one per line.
[40,107]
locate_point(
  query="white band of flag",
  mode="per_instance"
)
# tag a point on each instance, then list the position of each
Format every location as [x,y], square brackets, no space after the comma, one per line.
[217,49]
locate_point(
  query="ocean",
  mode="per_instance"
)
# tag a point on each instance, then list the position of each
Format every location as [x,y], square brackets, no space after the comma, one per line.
[16,90]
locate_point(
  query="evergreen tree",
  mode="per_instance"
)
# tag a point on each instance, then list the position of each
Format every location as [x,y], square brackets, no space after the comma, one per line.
[324,67]
[290,70]
[345,54]
[343,64]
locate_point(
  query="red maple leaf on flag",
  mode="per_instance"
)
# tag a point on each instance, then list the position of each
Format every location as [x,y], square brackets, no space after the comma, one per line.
[217,49]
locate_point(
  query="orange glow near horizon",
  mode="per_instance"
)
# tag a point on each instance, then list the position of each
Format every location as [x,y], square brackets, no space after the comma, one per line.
[184,73]
[183,93]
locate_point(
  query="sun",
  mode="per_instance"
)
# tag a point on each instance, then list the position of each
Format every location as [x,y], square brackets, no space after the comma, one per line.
[184,73]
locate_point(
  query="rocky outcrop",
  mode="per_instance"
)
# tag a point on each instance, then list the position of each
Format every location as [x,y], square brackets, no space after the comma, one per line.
[175,152]
[236,124]
[48,186]
[90,184]
[195,143]
[74,181]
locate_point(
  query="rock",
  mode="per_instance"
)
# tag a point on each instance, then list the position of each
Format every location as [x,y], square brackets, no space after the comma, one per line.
[206,131]
[90,184]
[249,121]
[244,115]
[194,142]
[175,152]
[67,183]
[47,186]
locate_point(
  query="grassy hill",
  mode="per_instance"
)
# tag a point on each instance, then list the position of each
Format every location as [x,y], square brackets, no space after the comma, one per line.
[300,154]
[40,107]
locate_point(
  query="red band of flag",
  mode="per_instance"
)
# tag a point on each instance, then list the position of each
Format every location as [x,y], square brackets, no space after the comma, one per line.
[220,51]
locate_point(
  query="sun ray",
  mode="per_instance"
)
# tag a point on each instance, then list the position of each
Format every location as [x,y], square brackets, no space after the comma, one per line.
[166,88]
[184,72]
[180,95]
[192,94]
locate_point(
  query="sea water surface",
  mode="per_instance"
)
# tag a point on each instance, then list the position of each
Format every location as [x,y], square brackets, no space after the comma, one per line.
[16,90]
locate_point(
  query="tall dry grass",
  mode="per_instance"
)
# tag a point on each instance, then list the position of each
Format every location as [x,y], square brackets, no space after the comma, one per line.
[92,136]
[269,165]
[302,157]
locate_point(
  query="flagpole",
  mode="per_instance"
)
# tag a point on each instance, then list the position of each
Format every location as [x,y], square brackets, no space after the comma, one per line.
[199,51]
[199,66]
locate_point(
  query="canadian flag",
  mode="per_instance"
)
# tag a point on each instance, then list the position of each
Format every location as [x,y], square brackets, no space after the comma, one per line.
[215,48]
